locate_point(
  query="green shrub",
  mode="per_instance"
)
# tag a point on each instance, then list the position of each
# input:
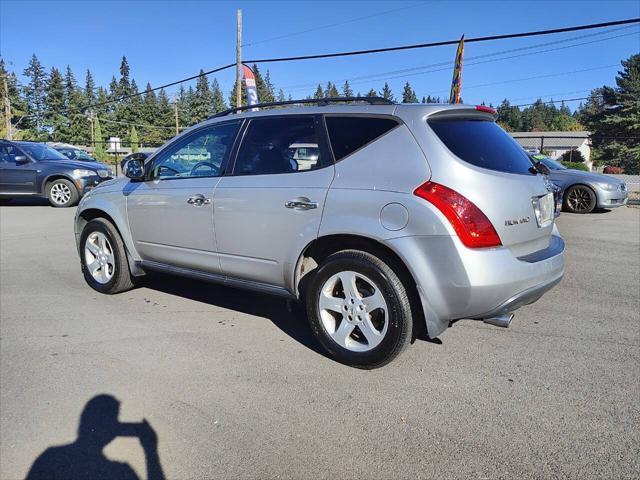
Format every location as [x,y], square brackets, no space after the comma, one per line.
[576,166]
[574,156]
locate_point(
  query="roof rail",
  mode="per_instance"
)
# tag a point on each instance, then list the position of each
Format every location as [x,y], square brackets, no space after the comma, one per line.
[322,102]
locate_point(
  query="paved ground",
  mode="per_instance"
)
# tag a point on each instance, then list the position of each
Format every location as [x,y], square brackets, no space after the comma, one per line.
[235,387]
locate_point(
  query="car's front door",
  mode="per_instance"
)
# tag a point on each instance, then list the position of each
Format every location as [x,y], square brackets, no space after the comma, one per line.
[171,213]
[16,176]
[271,206]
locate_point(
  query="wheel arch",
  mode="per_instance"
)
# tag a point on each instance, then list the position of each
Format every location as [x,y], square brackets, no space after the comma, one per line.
[56,176]
[321,247]
[91,213]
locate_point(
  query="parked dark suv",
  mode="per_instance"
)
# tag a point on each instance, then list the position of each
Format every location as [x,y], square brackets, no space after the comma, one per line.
[35,169]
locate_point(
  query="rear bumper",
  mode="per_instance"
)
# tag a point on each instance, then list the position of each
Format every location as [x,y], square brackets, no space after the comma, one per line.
[455,282]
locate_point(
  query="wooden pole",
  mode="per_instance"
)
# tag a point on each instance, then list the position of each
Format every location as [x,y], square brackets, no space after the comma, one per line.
[7,108]
[239,58]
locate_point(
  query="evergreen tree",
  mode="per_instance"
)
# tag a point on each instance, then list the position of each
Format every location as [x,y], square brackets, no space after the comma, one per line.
[372,93]
[99,151]
[612,115]
[202,102]
[78,125]
[408,94]
[55,108]
[346,89]
[386,92]
[217,99]
[18,105]
[124,85]
[331,91]
[269,90]
[89,89]
[281,97]
[319,92]
[35,93]
[133,139]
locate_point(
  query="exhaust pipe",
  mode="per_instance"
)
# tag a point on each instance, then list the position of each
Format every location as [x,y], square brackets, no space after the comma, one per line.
[500,321]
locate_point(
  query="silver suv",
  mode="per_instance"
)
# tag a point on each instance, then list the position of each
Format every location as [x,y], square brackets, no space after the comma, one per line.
[383,219]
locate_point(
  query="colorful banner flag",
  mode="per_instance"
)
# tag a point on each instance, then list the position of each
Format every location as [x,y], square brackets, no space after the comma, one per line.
[250,86]
[456,82]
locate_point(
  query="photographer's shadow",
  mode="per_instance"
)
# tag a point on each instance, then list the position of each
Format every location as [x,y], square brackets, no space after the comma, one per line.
[84,458]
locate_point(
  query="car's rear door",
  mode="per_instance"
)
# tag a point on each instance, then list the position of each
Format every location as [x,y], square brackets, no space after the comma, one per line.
[270,207]
[171,214]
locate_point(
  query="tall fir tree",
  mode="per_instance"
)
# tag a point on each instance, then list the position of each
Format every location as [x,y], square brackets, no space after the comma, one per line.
[331,91]
[35,93]
[16,101]
[89,89]
[319,92]
[202,102]
[55,108]
[217,99]
[408,94]
[346,89]
[386,92]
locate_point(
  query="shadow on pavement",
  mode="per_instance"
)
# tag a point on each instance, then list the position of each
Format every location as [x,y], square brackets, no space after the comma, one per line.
[25,202]
[83,459]
[286,315]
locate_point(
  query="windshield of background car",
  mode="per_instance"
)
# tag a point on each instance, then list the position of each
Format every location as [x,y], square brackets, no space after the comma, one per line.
[549,162]
[40,151]
[83,156]
[482,143]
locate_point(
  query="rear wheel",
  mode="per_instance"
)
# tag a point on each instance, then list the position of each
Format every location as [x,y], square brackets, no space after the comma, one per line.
[103,258]
[580,199]
[62,193]
[359,310]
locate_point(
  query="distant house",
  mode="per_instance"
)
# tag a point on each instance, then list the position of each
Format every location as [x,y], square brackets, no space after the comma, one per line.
[555,144]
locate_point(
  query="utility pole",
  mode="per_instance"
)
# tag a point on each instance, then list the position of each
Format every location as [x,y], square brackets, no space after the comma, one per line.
[7,108]
[175,107]
[91,123]
[239,59]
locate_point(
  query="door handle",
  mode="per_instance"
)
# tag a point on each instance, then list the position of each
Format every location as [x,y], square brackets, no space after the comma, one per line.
[301,203]
[198,200]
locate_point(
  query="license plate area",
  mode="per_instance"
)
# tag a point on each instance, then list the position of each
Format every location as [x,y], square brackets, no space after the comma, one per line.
[544,208]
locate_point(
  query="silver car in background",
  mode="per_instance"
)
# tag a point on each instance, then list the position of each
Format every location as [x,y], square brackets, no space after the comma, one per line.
[584,191]
[400,218]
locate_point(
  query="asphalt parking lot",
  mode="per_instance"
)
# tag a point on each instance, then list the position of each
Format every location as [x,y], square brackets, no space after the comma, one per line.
[235,386]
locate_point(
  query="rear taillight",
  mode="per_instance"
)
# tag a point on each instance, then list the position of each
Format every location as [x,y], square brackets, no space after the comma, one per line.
[472,226]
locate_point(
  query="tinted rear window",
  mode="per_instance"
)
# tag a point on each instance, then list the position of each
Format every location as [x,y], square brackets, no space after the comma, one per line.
[483,144]
[348,134]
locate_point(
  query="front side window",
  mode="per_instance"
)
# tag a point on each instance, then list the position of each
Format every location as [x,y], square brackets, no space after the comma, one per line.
[202,154]
[279,145]
[8,153]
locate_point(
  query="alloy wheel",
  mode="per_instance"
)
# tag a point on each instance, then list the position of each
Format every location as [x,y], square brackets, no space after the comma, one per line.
[353,311]
[99,258]
[579,199]
[60,193]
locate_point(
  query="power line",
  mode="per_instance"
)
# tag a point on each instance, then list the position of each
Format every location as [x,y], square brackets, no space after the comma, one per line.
[370,51]
[322,27]
[449,42]
[447,64]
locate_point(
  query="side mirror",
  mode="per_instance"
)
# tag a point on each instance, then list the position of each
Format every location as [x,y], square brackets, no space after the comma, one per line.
[134,169]
[21,159]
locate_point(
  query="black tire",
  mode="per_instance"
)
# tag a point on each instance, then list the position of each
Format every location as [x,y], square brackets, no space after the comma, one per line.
[62,183]
[400,321]
[580,199]
[122,280]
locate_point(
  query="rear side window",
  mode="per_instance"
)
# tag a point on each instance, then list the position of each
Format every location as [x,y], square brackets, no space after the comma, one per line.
[348,134]
[483,144]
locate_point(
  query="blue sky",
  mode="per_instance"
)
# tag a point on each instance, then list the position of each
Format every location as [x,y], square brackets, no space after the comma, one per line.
[165,41]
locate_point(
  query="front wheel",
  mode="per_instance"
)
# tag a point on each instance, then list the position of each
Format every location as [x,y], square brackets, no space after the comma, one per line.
[359,309]
[62,193]
[103,258]
[580,199]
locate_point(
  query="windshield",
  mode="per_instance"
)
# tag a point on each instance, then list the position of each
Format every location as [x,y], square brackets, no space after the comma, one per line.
[549,162]
[83,156]
[40,151]
[482,143]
